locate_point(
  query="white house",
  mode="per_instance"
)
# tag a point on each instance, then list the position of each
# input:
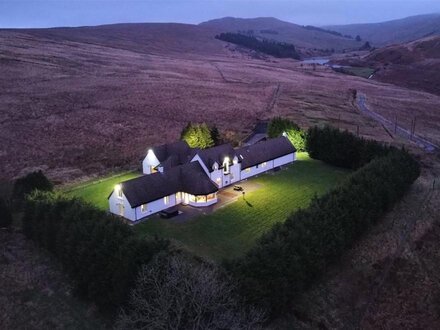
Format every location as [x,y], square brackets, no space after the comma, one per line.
[220,164]
[184,184]
[177,174]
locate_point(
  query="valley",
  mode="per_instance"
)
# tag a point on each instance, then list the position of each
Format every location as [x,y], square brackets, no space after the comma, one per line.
[85,104]
[74,105]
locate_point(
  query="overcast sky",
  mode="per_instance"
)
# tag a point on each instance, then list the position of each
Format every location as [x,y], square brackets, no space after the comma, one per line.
[43,13]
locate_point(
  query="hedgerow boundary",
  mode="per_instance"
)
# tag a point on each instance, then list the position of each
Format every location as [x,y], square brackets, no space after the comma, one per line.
[288,259]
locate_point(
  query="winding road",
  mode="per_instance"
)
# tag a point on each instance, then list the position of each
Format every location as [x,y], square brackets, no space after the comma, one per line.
[390,126]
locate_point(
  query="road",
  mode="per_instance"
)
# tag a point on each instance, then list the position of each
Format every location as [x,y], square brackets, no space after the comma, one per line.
[402,132]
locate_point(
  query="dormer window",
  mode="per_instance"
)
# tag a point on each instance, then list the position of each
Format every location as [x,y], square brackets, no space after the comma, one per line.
[235,160]
[215,166]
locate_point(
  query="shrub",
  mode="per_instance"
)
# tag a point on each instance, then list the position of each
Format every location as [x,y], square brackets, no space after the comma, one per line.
[177,292]
[33,181]
[5,214]
[278,126]
[100,253]
[292,255]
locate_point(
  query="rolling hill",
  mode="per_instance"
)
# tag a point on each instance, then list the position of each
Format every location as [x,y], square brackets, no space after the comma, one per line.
[395,31]
[80,101]
[272,28]
[414,65]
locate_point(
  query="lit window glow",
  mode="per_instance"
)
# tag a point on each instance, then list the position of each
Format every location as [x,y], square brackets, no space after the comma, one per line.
[118,190]
[166,200]
[226,165]
[144,208]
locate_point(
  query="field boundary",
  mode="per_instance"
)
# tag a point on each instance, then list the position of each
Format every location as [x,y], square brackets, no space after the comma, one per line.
[86,184]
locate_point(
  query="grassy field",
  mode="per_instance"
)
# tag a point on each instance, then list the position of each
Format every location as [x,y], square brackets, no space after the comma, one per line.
[232,230]
[96,192]
[363,72]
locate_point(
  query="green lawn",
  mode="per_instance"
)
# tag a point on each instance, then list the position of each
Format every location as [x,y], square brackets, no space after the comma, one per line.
[232,230]
[96,192]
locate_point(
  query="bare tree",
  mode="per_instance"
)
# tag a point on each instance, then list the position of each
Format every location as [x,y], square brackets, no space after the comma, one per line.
[178,293]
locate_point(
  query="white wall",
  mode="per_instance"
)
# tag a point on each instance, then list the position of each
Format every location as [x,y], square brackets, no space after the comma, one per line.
[257,169]
[115,201]
[290,158]
[234,169]
[135,214]
[155,206]
[149,160]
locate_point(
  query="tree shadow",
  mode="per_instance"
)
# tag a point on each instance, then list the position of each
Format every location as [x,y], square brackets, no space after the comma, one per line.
[248,203]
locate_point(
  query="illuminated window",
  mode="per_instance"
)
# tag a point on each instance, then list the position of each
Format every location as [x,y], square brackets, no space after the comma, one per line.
[226,165]
[118,190]
[166,200]
[218,181]
[263,164]
[144,208]
[247,170]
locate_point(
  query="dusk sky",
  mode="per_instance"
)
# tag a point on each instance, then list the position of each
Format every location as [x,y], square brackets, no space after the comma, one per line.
[43,13]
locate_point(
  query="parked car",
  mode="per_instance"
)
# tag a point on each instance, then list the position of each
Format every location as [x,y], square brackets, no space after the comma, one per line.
[169,213]
[238,188]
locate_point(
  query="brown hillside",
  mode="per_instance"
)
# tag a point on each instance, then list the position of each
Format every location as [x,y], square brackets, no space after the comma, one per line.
[414,65]
[75,103]
[272,28]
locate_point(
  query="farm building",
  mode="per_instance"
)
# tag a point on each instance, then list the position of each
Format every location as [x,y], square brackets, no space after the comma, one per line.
[177,174]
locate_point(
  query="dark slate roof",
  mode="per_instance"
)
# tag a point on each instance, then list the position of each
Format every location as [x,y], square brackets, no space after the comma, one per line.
[173,154]
[190,178]
[264,151]
[195,181]
[216,154]
[255,138]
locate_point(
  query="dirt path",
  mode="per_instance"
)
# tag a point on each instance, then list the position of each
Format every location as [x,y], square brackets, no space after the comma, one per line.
[390,126]
[275,96]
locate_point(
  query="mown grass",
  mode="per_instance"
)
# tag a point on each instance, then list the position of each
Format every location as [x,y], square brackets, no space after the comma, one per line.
[232,230]
[96,192]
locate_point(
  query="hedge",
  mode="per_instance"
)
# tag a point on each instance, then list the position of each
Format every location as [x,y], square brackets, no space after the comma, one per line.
[292,255]
[101,254]
[341,148]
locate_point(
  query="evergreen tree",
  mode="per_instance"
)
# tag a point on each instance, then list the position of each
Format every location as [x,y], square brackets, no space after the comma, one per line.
[5,214]
[33,181]
[198,136]
[279,126]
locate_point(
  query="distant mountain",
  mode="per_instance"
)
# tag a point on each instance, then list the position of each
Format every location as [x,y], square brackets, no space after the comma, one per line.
[395,31]
[151,38]
[272,28]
